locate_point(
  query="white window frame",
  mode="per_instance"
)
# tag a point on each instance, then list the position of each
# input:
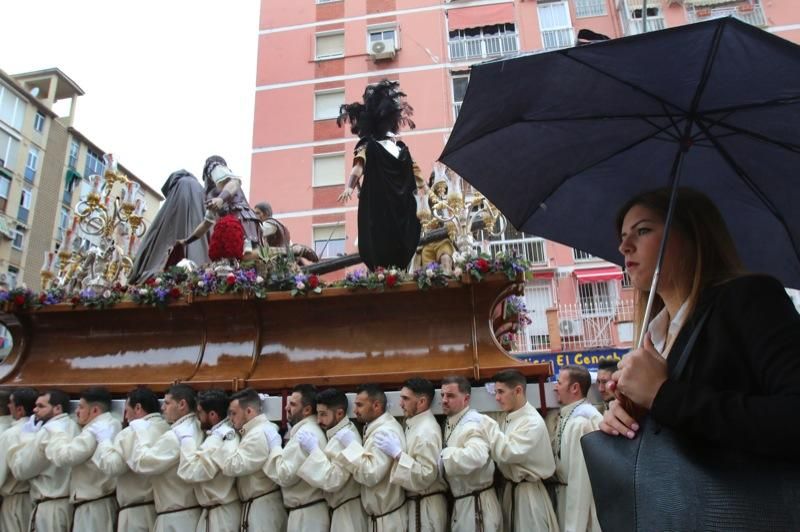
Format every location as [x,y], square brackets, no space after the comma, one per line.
[16,117]
[5,155]
[33,155]
[578,255]
[601,296]
[26,193]
[568,26]
[456,104]
[18,234]
[38,122]
[75,147]
[380,28]
[13,277]
[489,44]
[326,92]
[323,34]
[63,223]
[328,227]
[5,187]
[590,8]
[327,156]
[318,2]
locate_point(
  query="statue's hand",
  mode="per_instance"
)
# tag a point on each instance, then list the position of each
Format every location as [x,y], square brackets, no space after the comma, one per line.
[345,196]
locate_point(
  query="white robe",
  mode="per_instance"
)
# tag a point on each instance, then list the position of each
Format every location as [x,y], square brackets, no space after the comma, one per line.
[91,490]
[417,471]
[177,509]
[49,483]
[470,472]
[520,446]
[15,514]
[372,469]
[136,512]
[262,504]
[5,423]
[298,495]
[576,510]
[343,493]
[215,492]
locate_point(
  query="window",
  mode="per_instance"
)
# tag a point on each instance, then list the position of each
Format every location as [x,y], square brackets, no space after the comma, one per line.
[460,83]
[555,25]
[579,255]
[382,34]
[654,20]
[597,298]
[31,164]
[330,45]
[329,170]
[38,122]
[488,41]
[327,104]
[94,164]
[74,149]
[12,109]
[13,274]
[19,238]
[8,149]
[329,240]
[25,200]
[5,187]
[590,8]
[63,223]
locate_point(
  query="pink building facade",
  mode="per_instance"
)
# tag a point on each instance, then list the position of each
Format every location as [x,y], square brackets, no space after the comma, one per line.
[315,55]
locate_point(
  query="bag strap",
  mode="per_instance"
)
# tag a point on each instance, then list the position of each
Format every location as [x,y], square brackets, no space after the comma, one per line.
[684,358]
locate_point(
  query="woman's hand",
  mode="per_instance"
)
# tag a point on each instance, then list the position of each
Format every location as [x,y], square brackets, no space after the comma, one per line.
[641,374]
[617,421]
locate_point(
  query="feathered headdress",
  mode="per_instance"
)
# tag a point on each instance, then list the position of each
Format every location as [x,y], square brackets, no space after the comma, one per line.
[384,110]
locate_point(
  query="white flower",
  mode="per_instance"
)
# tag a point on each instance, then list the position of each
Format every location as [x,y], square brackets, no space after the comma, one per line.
[143,291]
[457,271]
[429,273]
[201,284]
[381,277]
[107,294]
[157,281]
[259,279]
[393,272]
[300,286]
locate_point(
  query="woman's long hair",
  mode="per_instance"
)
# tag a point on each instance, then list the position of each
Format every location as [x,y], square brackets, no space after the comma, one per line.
[383,110]
[712,259]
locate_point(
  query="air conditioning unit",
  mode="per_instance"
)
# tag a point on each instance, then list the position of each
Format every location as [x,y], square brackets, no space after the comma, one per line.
[383,49]
[570,327]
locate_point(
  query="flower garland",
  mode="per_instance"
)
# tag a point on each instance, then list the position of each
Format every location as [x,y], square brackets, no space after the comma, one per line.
[303,284]
[20,298]
[379,279]
[430,276]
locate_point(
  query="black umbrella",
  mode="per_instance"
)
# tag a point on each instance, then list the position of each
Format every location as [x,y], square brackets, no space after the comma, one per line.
[560,140]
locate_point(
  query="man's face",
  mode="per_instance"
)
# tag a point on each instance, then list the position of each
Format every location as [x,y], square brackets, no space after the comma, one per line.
[453,401]
[171,409]
[329,417]
[409,402]
[237,414]
[43,410]
[364,408]
[84,412]
[294,408]
[12,407]
[564,388]
[261,214]
[205,418]
[603,378]
[506,396]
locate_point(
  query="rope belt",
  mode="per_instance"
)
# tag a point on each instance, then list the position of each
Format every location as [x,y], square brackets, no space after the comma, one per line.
[36,508]
[208,514]
[417,499]
[291,509]
[78,504]
[167,512]
[374,518]
[121,509]
[514,486]
[244,522]
[334,508]
[478,505]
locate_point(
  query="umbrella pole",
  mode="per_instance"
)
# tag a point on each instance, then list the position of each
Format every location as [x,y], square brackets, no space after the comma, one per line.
[675,177]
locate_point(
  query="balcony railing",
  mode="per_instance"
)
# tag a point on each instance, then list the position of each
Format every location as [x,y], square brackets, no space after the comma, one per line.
[653,24]
[754,16]
[530,249]
[554,39]
[482,47]
[581,330]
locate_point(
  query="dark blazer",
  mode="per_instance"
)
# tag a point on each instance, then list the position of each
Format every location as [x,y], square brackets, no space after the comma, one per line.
[741,386]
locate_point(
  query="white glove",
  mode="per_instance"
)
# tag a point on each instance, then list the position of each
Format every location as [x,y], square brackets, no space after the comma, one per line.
[183,431]
[32,426]
[308,442]
[345,437]
[139,425]
[388,443]
[101,432]
[273,438]
[222,431]
[59,425]
[472,417]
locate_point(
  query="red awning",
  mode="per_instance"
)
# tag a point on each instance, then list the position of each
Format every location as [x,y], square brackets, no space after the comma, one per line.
[594,275]
[543,274]
[475,17]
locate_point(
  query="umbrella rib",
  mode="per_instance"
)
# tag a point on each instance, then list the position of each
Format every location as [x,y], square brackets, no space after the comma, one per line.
[750,184]
[627,83]
[706,74]
[769,103]
[599,117]
[794,148]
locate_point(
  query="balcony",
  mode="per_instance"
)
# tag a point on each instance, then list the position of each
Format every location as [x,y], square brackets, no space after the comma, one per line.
[746,12]
[555,39]
[466,48]
[530,249]
[653,24]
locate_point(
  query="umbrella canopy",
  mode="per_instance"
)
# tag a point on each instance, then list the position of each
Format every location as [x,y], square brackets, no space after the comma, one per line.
[560,140]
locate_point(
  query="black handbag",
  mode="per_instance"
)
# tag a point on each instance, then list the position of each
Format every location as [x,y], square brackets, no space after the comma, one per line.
[662,480]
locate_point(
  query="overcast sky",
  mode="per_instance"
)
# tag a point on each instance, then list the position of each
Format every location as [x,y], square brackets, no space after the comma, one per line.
[167,82]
